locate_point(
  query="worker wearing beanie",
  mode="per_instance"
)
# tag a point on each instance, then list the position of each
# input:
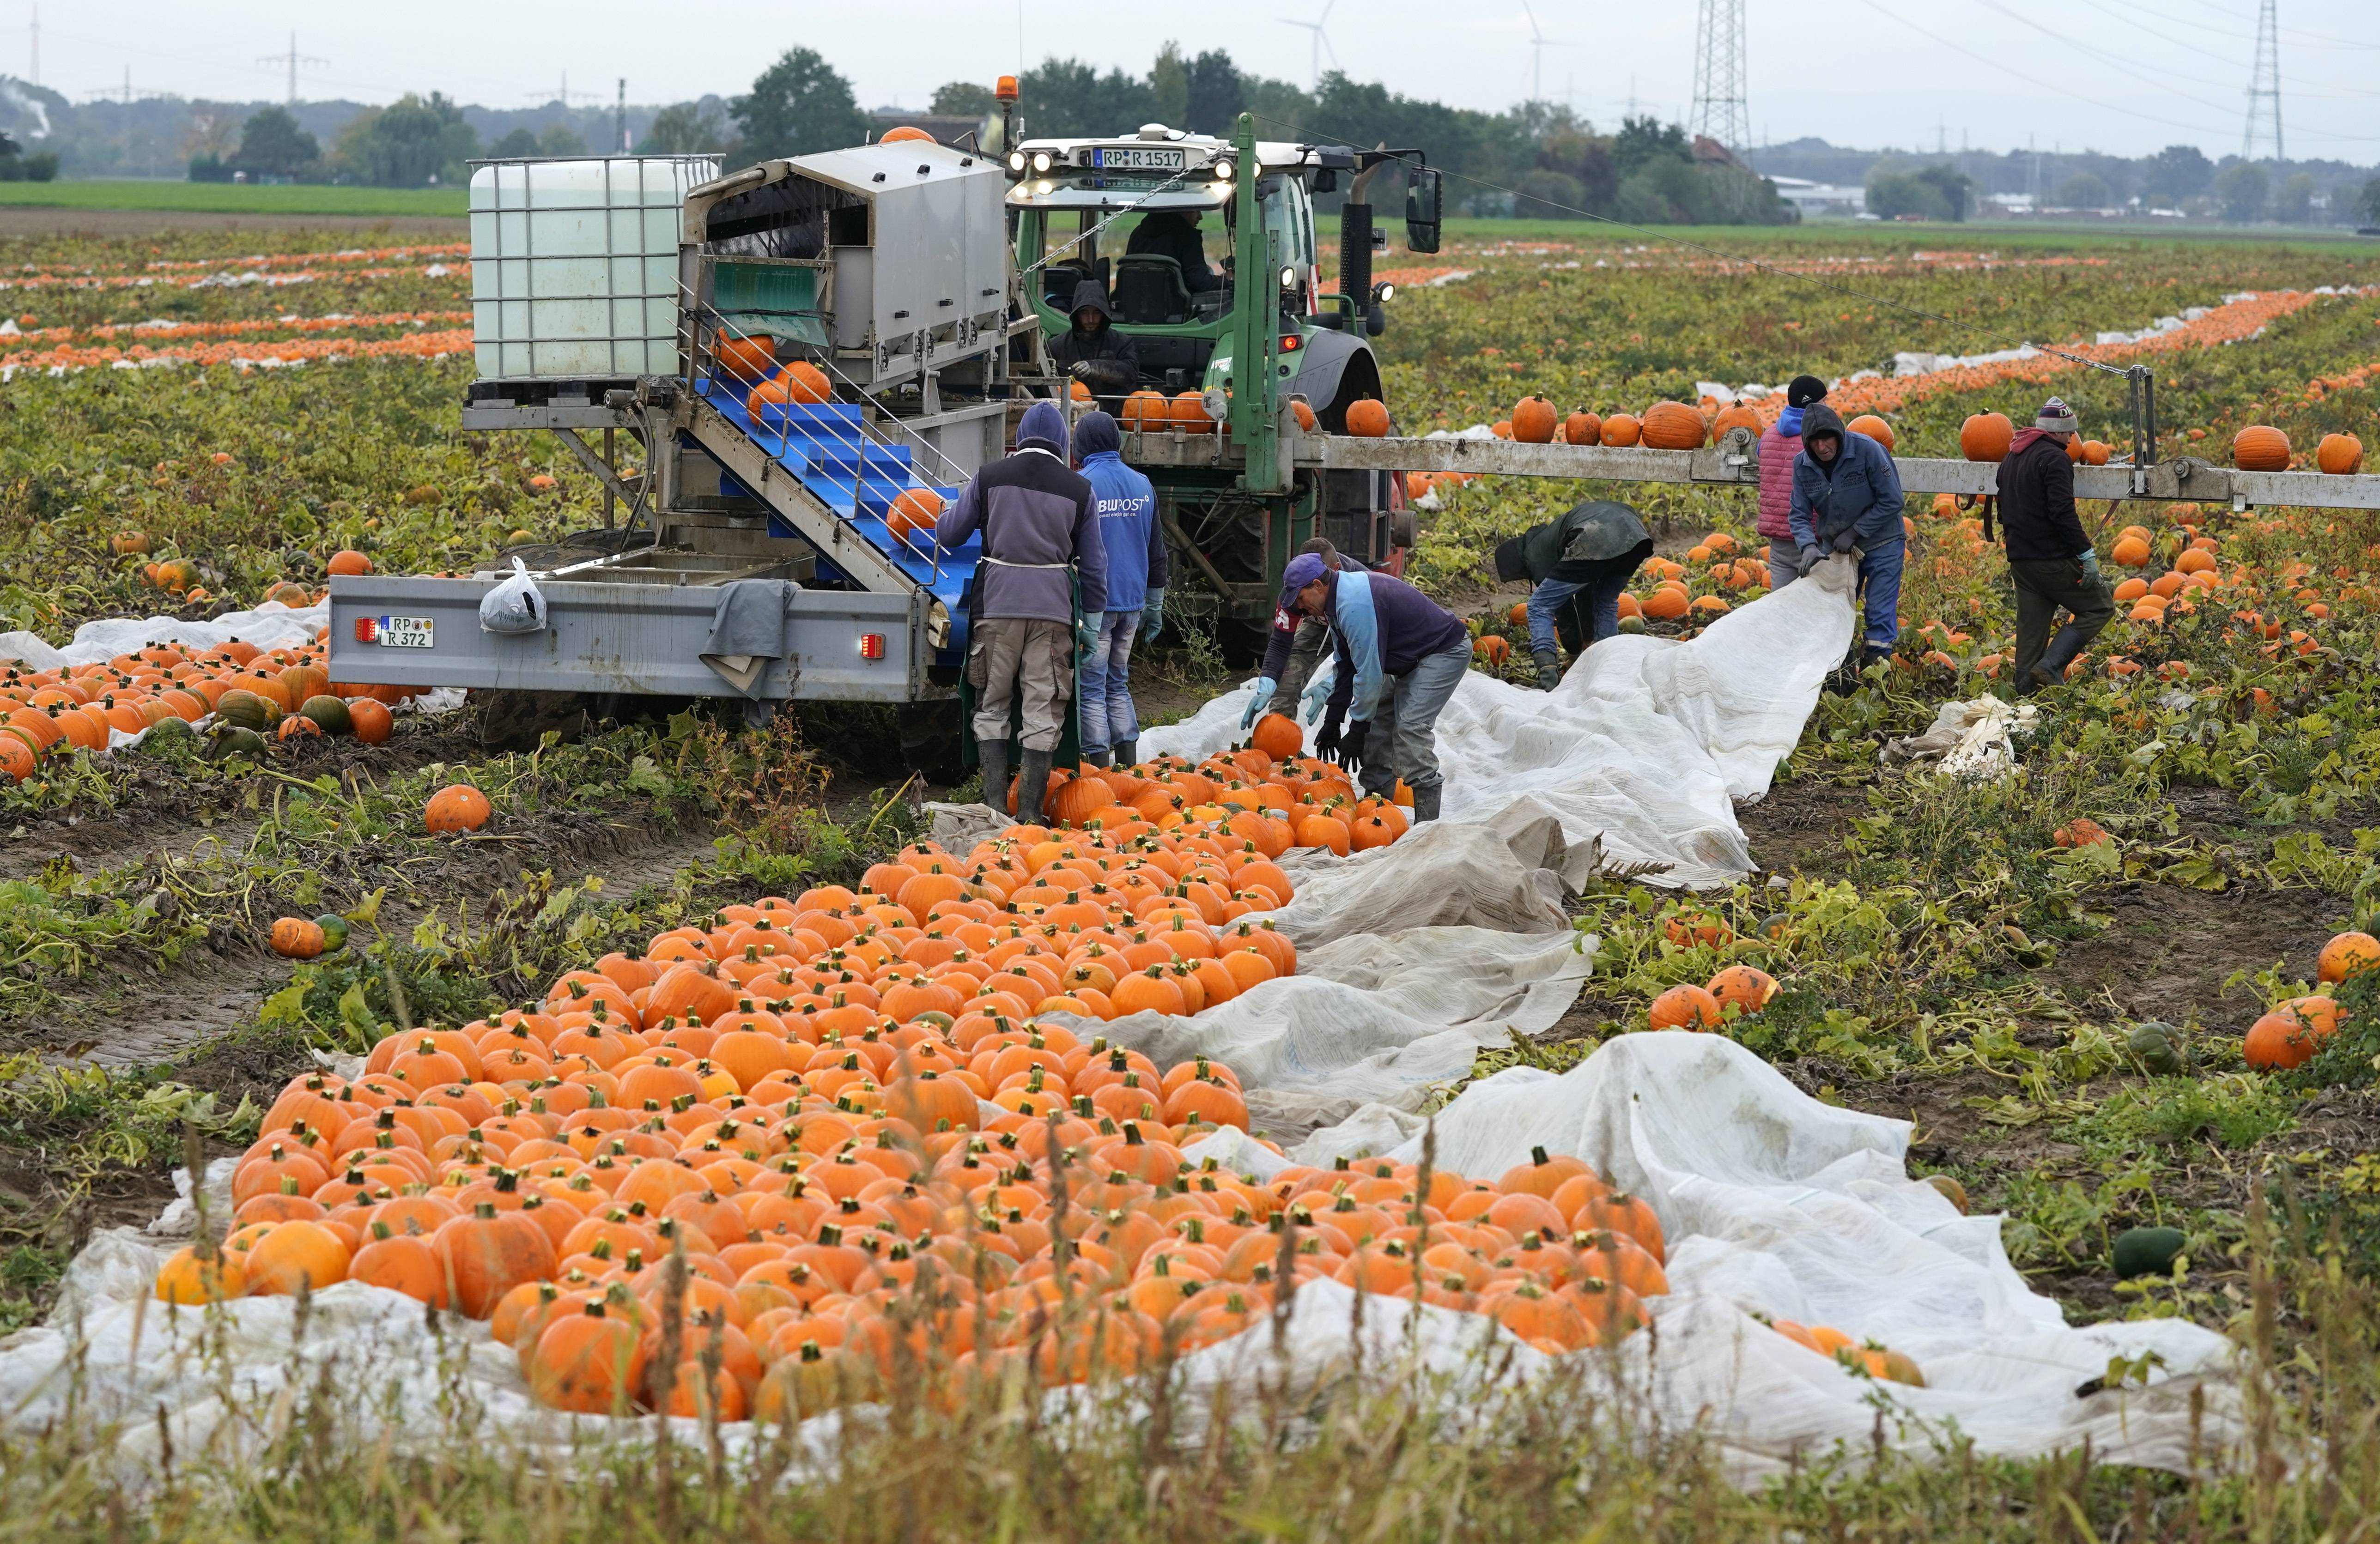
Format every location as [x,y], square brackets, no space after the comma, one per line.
[1846,499]
[1136,572]
[1297,647]
[2050,561]
[1780,444]
[1039,520]
[1396,648]
[1591,552]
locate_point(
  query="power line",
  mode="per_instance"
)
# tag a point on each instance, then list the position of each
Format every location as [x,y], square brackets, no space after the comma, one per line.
[1972,329]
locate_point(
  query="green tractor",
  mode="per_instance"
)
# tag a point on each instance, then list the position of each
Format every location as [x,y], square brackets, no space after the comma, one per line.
[1204,249]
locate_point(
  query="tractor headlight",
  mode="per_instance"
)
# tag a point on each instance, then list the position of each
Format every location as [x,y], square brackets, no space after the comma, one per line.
[1384,292]
[1041,160]
[1223,171]
[1016,161]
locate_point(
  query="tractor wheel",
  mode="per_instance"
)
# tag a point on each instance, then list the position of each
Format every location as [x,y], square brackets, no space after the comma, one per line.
[510,720]
[931,735]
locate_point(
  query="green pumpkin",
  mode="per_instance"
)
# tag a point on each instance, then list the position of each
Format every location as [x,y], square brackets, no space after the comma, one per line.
[2160,1047]
[329,713]
[232,741]
[334,930]
[1632,625]
[169,737]
[248,710]
[2146,1251]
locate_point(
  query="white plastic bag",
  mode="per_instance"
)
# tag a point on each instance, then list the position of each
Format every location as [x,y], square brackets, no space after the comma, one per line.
[514,606]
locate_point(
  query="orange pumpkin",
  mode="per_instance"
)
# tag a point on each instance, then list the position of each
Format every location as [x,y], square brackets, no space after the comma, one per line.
[1672,426]
[1583,429]
[457,808]
[1534,421]
[1685,1007]
[916,509]
[2341,455]
[372,720]
[297,938]
[1368,418]
[1986,437]
[1277,736]
[1622,428]
[748,359]
[348,562]
[2260,448]
[1876,428]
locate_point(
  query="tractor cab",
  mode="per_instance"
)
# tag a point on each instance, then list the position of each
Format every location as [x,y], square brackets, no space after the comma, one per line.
[1155,218]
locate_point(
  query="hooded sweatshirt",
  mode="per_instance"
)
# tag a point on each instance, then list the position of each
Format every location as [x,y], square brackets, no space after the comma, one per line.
[1127,508]
[2037,501]
[1039,518]
[1858,491]
[1113,356]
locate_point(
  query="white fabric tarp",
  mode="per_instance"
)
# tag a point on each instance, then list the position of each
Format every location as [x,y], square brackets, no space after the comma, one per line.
[1413,957]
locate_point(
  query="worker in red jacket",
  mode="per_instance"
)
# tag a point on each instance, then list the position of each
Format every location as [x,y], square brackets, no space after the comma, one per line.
[2049,558]
[1780,444]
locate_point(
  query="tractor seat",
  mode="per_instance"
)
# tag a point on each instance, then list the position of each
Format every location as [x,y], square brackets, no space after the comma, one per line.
[1149,291]
[1059,281]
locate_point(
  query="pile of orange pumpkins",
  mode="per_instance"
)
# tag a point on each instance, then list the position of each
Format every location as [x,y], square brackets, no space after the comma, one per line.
[48,712]
[2295,1030]
[760,1169]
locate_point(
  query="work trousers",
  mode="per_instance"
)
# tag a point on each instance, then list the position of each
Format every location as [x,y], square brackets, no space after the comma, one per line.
[1027,658]
[1109,718]
[2042,587]
[1402,740]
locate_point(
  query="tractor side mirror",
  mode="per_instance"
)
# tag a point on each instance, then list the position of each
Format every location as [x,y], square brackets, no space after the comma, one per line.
[1423,194]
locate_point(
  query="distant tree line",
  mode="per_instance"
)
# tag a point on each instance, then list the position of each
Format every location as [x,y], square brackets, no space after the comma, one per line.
[2178,178]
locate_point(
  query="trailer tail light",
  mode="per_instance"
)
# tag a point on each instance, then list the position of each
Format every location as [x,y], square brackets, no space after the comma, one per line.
[367,629]
[871,646]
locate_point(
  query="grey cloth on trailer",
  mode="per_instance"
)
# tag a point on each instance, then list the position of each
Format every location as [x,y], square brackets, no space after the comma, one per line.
[748,630]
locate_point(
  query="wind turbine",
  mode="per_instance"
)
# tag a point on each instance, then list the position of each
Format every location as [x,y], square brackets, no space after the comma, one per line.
[1321,40]
[1538,44]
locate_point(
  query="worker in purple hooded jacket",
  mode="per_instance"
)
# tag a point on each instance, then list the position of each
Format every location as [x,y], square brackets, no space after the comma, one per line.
[1042,574]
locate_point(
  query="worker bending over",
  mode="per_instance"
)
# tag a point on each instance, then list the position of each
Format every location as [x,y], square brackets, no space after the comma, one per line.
[1847,499]
[1135,592]
[1040,529]
[2049,559]
[1299,642]
[1397,649]
[1590,553]
[1107,362]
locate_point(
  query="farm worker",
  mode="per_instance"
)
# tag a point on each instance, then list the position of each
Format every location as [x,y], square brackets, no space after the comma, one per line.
[2049,559]
[1107,362]
[1296,647]
[1040,524]
[1136,581]
[1173,233]
[1594,550]
[1398,650]
[1780,444]
[1847,498]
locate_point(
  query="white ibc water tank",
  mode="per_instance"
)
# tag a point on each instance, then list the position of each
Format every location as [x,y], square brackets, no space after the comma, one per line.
[574,264]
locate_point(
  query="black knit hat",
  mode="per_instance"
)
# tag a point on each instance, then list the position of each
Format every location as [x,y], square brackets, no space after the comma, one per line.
[1804,390]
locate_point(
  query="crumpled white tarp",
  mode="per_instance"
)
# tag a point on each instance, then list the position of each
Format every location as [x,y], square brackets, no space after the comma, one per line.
[1413,957]
[1974,741]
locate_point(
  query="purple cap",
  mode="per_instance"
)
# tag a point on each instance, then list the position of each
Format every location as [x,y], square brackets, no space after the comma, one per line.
[1303,570]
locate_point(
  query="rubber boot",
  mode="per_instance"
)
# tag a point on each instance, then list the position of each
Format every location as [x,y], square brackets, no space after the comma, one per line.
[1425,804]
[1548,669]
[1127,752]
[1098,758]
[1032,785]
[993,754]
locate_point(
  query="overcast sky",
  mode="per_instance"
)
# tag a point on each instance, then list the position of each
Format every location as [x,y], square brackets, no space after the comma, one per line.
[2124,76]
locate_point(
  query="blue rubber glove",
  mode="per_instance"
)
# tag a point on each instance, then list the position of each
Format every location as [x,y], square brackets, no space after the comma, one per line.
[1318,694]
[2091,561]
[1265,687]
[1087,633]
[1152,613]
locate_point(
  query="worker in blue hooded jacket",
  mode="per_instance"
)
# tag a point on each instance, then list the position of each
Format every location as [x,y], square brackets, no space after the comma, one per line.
[1134,550]
[1396,649]
[1846,497]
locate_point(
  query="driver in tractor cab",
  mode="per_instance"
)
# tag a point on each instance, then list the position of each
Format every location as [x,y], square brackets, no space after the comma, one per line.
[1173,233]
[1107,362]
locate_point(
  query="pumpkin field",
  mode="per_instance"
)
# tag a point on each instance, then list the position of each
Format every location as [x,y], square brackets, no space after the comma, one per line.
[652,1069]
